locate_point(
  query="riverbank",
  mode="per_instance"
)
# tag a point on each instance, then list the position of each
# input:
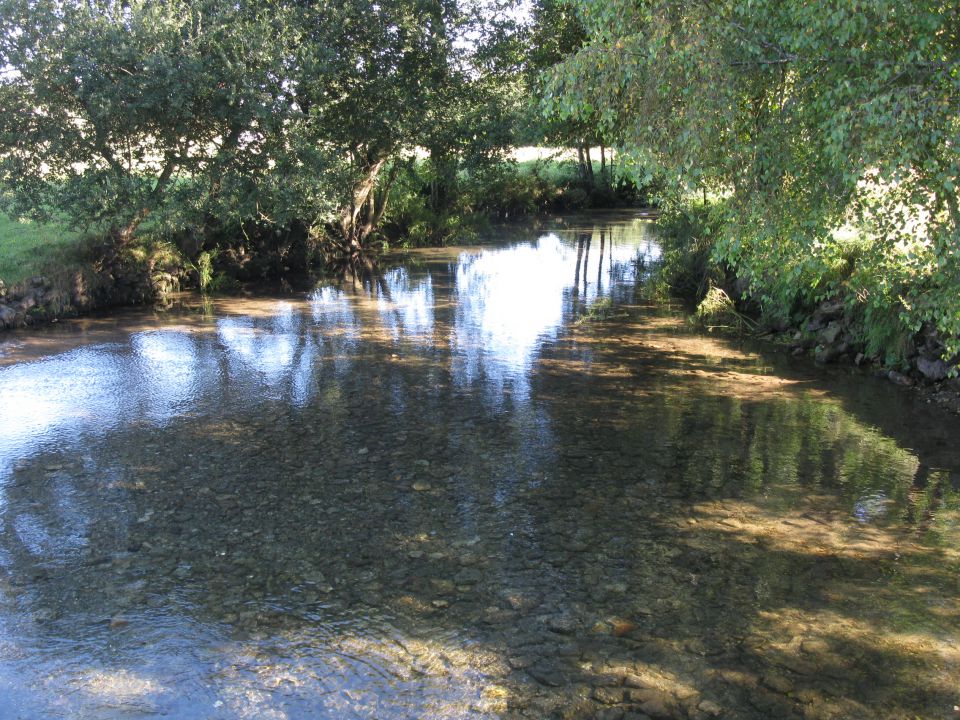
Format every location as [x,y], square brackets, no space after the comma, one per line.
[49,272]
[829,336]
[826,335]
[850,299]
[112,280]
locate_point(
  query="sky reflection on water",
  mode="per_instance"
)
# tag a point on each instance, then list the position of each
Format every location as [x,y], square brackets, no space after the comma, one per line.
[508,300]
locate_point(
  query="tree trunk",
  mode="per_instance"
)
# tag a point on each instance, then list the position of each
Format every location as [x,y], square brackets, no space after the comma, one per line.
[589,163]
[443,186]
[229,145]
[604,180]
[350,214]
[379,201]
[125,234]
[951,200]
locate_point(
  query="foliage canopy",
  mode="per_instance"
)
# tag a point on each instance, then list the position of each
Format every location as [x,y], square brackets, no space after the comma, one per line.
[807,117]
[829,130]
[108,104]
[270,113]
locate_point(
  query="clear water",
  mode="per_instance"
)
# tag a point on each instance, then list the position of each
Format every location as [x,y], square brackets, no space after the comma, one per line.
[492,484]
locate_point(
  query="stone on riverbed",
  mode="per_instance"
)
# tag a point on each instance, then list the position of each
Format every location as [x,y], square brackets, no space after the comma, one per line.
[933,370]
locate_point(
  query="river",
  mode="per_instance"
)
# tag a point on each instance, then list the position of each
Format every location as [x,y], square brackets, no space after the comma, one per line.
[496,482]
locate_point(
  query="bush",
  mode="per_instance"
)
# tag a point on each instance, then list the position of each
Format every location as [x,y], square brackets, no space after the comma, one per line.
[688,267]
[507,190]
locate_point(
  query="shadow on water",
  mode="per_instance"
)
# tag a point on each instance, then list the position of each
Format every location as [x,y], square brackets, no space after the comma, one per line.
[441,497]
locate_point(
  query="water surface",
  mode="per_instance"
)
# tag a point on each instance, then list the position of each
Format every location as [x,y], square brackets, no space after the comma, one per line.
[492,483]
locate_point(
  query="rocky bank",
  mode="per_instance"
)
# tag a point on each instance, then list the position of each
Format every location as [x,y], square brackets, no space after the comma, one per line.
[829,335]
[110,282]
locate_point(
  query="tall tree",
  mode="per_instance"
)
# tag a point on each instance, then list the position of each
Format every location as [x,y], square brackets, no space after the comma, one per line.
[807,115]
[556,33]
[365,79]
[107,105]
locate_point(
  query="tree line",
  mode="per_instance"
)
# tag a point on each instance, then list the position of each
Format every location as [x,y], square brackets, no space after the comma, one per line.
[295,116]
[812,148]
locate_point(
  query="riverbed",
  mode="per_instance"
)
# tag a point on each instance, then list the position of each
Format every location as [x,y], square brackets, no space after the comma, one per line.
[494,482]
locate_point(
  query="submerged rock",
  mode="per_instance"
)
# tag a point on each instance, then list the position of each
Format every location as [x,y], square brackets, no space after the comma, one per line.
[830,334]
[710,707]
[898,378]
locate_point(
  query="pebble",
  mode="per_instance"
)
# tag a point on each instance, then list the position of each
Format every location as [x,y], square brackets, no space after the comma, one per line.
[442,585]
[899,379]
[609,696]
[815,646]
[546,673]
[710,707]
[612,713]
[778,682]
[562,624]
[636,681]
[658,708]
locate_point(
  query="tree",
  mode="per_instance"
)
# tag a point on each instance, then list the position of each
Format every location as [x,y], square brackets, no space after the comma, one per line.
[474,124]
[109,105]
[555,34]
[806,116]
[364,80]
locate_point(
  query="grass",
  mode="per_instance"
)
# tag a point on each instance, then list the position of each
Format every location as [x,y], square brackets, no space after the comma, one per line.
[28,249]
[556,171]
[717,310]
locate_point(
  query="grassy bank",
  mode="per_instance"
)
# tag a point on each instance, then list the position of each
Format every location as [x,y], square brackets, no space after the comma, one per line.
[28,249]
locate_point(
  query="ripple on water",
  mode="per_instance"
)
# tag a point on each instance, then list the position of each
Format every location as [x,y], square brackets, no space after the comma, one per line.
[467,488]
